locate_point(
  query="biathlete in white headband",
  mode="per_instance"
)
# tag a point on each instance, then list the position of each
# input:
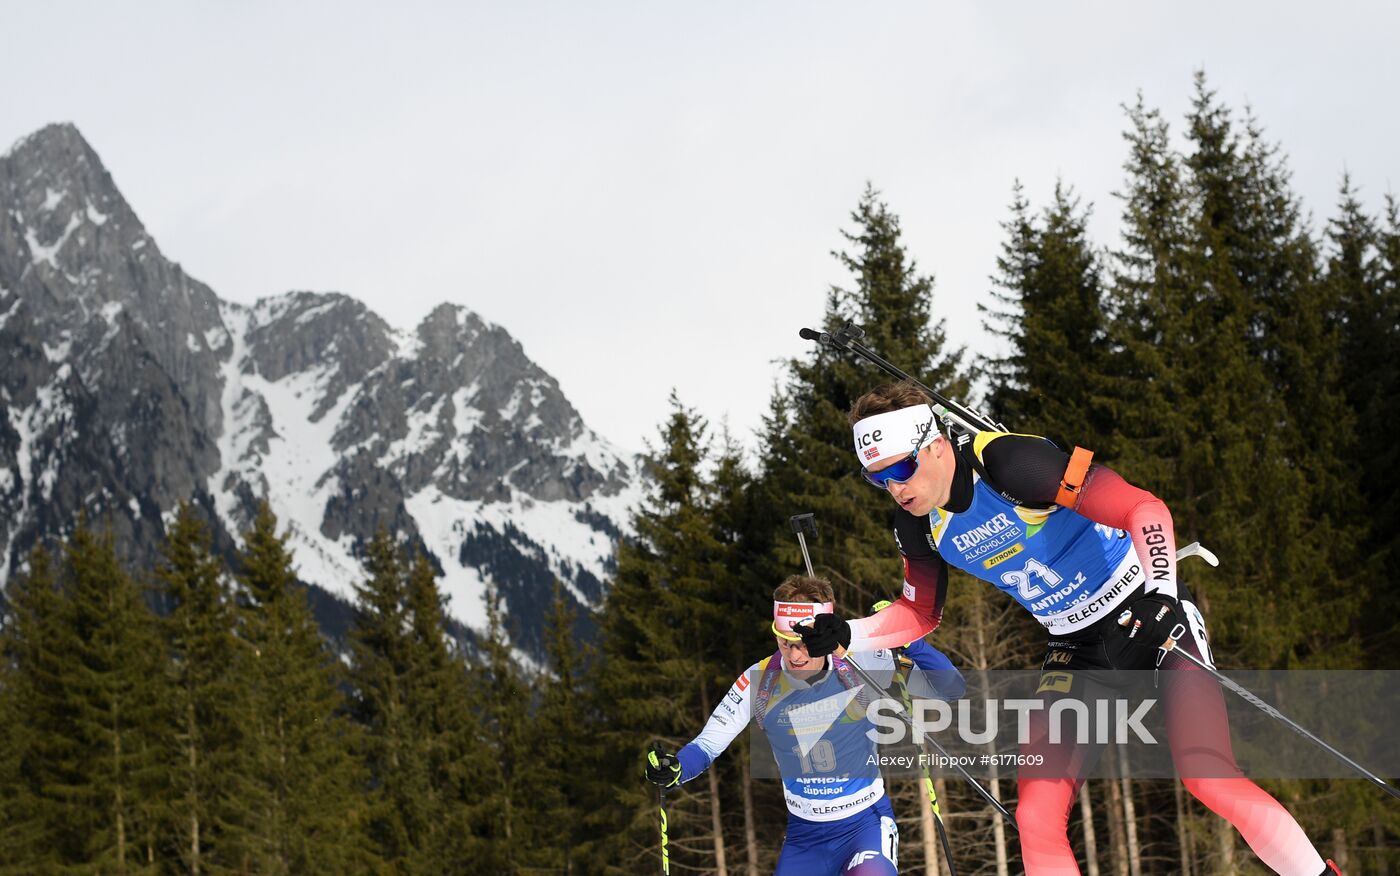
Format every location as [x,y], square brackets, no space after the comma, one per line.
[839,819]
[1093,558]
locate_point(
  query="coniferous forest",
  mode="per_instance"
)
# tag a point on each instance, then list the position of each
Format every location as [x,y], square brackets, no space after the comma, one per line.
[1229,352]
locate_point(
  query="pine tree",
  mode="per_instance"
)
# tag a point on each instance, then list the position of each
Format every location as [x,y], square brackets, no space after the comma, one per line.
[1298,337]
[1381,456]
[660,671]
[206,704]
[1227,360]
[1362,276]
[1193,405]
[39,752]
[893,303]
[1050,309]
[1285,345]
[421,734]
[302,810]
[402,809]
[1158,326]
[510,830]
[1006,316]
[742,516]
[444,713]
[111,798]
[563,730]
[1361,286]
[808,465]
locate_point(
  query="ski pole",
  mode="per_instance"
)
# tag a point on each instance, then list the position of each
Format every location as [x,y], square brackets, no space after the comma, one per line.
[922,736]
[808,522]
[804,523]
[665,848]
[933,803]
[933,797]
[847,339]
[661,793]
[1179,631]
[938,822]
[907,699]
[1194,549]
[1170,646]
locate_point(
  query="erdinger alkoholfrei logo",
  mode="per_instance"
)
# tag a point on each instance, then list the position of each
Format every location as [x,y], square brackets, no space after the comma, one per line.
[811,721]
[967,541]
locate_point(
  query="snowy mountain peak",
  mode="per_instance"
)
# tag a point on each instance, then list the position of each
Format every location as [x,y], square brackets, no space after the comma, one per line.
[63,207]
[129,386]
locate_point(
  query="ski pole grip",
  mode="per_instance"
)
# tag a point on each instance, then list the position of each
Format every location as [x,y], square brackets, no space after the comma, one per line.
[838,340]
[1177,632]
[804,523]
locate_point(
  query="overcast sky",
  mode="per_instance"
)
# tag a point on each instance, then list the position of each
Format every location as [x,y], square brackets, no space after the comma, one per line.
[646,194]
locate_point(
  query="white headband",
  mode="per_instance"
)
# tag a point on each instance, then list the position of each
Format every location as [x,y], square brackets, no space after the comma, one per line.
[892,433]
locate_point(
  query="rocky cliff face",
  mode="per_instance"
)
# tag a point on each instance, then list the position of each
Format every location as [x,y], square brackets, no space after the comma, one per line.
[126,386]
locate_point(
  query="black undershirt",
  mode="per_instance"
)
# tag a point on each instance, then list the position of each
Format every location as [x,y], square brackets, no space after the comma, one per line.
[960,490]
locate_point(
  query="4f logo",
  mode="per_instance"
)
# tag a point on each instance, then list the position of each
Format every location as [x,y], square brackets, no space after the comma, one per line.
[860,858]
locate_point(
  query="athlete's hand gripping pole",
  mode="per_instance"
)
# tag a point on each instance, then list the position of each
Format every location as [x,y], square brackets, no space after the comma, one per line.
[1175,630]
[664,770]
[922,737]
[1180,630]
[824,625]
[839,632]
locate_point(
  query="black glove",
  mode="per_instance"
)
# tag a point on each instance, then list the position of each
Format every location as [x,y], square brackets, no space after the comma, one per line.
[1146,625]
[663,769]
[824,634]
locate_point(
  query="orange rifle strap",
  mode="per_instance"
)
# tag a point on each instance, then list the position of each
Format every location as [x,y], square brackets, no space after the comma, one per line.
[1073,480]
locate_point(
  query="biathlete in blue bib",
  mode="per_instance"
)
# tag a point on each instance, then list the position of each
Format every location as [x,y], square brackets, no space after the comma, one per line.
[813,713]
[1093,558]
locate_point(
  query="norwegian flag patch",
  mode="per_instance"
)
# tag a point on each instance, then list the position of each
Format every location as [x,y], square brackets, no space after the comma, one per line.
[871,452]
